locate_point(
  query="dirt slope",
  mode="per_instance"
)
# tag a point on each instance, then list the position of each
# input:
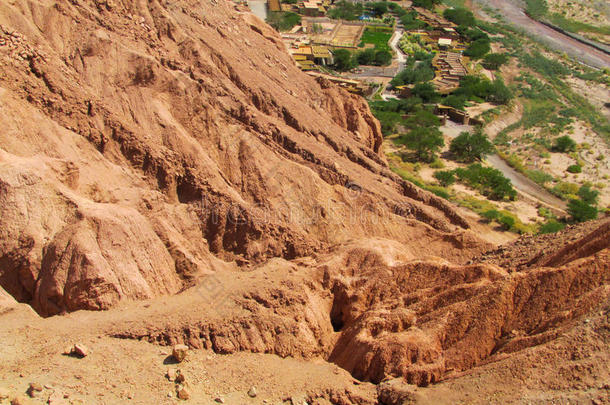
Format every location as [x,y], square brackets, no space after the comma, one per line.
[167,163]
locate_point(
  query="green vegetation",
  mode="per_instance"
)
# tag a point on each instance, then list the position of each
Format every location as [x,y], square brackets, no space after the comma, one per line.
[345,10]
[478,48]
[423,137]
[564,144]
[374,57]
[460,16]
[536,8]
[577,26]
[574,168]
[478,88]
[470,147]
[581,211]
[588,195]
[551,226]
[488,181]
[343,60]
[389,113]
[445,177]
[493,61]
[429,4]
[426,92]
[283,21]
[418,69]
[378,38]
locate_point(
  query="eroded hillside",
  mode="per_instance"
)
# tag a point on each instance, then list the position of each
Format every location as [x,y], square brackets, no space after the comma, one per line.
[171,153]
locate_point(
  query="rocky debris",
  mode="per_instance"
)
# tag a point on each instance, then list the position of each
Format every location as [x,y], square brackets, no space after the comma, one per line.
[182,392]
[252,392]
[78,350]
[171,374]
[397,392]
[219,400]
[34,389]
[180,378]
[179,352]
[57,398]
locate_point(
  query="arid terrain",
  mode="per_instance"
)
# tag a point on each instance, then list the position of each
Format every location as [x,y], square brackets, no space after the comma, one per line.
[168,177]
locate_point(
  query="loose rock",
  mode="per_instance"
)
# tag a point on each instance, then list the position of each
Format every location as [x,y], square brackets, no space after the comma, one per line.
[182,393]
[171,374]
[80,350]
[252,393]
[179,352]
[33,389]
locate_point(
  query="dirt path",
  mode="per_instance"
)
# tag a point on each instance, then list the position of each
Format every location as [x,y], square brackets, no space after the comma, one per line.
[513,12]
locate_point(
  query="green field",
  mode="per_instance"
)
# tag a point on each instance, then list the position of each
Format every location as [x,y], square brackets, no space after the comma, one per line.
[379,39]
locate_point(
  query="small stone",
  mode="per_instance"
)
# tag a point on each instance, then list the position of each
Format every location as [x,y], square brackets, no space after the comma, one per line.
[220,400]
[171,374]
[170,394]
[179,377]
[182,393]
[33,389]
[80,350]
[129,395]
[179,352]
[252,393]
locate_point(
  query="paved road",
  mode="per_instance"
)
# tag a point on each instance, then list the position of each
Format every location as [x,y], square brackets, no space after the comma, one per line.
[512,10]
[401,60]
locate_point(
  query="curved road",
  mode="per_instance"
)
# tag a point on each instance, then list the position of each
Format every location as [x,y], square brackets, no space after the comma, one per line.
[513,13]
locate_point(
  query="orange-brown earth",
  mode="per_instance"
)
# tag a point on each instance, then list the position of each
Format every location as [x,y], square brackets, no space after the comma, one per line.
[167,163]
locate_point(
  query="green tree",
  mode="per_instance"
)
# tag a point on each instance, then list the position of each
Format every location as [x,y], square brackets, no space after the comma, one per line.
[478,48]
[460,16]
[470,147]
[378,9]
[581,211]
[383,58]
[588,195]
[426,92]
[343,60]
[494,61]
[506,221]
[564,144]
[425,141]
[366,57]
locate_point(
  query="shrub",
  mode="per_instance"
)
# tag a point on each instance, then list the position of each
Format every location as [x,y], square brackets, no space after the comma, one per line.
[425,141]
[564,144]
[551,226]
[581,211]
[426,92]
[506,221]
[491,215]
[588,195]
[445,177]
[574,169]
[283,21]
[478,48]
[489,181]
[470,147]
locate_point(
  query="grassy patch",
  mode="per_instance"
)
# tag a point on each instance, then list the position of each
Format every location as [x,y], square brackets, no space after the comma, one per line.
[378,38]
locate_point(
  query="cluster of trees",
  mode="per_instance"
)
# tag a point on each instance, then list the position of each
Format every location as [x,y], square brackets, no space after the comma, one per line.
[345,60]
[418,69]
[429,4]
[460,16]
[407,18]
[479,88]
[390,113]
[346,10]
[488,181]
[480,43]
[283,21]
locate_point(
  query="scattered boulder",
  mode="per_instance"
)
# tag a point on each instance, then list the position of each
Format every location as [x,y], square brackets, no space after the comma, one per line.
[34,389]
[78,350]
[252,392]
[179,352]
[182,393]
[220,400]
[179,377]
[171,374]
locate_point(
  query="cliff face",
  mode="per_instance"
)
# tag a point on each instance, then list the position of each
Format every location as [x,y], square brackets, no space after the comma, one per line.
[148,143]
